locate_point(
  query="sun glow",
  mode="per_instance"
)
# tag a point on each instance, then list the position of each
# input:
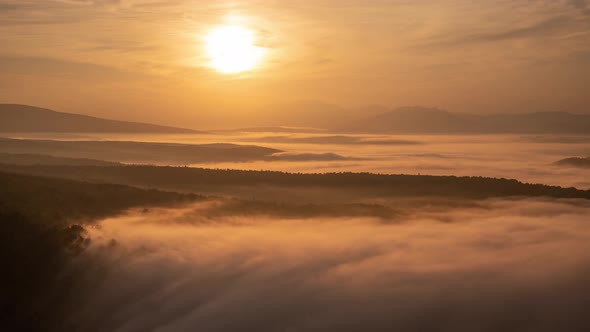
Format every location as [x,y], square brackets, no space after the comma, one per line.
[232,49]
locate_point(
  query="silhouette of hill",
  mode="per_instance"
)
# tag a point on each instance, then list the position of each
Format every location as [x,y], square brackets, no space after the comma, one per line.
[53,200]
[40,159]
[23,118]
[311,113]
[277,129]
[574,162]
[415,120]
[232,182]
[39,239]
[63,202]
[332,139]
[286,156]
[138,152]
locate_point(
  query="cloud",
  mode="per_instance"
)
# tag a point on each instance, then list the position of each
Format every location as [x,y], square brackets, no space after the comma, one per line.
[410,53]
[497,268]
[541,29]
[523,27]
[582,5]
[56,68]
[5,7]
[561,139]
[340,140]
[287,156]
[33,12]
[574,162]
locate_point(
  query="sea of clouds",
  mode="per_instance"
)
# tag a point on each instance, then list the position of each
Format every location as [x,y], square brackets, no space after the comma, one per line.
[503,265]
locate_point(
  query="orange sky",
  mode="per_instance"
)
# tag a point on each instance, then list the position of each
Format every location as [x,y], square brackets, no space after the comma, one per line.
[144,60]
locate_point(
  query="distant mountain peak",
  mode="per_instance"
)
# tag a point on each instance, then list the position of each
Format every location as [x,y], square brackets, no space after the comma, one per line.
[429,120]
[418,109]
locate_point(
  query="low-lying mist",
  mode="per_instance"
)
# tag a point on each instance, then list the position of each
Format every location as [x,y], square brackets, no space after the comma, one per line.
[504,265]
[528,158]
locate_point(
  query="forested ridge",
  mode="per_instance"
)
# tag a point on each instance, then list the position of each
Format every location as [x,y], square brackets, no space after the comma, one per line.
[192,179]
[41,234]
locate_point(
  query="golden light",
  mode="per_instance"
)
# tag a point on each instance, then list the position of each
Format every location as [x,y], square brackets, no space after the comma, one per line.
[232,49]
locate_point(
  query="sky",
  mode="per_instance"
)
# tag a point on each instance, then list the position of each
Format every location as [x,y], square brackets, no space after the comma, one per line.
[145,60]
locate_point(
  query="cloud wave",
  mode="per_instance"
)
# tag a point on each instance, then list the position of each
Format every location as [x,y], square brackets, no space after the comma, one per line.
[510,266]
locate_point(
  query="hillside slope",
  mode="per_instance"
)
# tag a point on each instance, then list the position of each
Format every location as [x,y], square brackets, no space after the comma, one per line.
[421,120]
[138,152]
[23,118]
[330,185]
[52,200]
[574,162]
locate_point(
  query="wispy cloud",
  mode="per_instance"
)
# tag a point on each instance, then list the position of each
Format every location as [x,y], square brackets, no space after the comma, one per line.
[406,51]
[543,29]
[33,66]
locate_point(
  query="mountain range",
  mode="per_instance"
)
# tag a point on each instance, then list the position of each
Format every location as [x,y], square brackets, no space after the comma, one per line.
[30,119]
[421,120]
[370,120]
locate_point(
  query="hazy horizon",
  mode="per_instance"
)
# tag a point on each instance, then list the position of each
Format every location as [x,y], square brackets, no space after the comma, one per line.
[312,116]
[145,60]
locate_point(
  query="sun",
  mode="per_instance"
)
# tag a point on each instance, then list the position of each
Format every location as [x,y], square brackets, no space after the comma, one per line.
[232,49]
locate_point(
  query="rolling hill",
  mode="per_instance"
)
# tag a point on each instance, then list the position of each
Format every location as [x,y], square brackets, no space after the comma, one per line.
[41,159]
[250,183]
[138,152]
[421,120]
[57,201]
[23,118]
[574,162]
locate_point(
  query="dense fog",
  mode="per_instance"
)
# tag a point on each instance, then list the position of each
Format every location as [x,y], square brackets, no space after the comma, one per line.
[529,158]
[509,265]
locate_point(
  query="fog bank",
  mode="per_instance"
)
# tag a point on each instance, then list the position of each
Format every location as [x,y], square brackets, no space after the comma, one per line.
[503,266]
